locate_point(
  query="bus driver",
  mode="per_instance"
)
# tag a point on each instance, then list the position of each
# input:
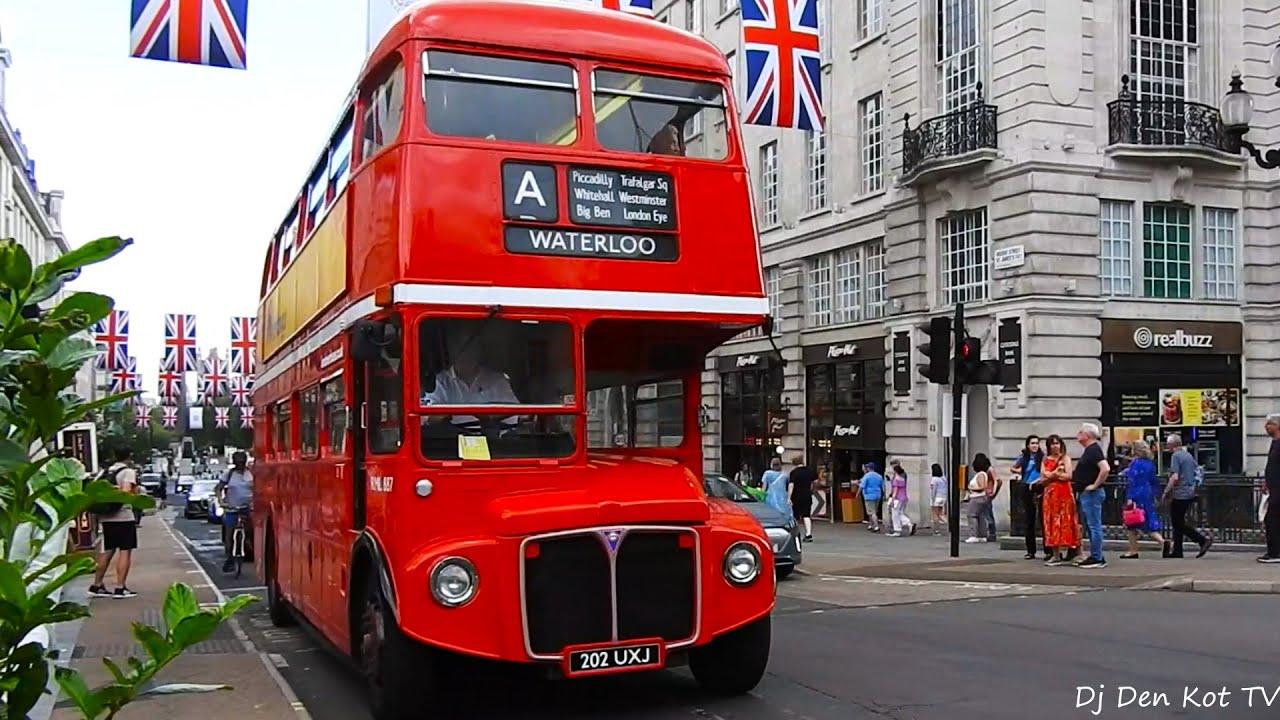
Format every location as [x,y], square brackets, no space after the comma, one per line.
[467,381]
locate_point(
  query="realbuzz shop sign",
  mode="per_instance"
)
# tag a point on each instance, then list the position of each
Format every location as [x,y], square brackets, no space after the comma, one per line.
[1172,337]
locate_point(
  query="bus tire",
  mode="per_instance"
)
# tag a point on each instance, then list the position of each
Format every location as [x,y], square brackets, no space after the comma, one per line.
[735,662]
[398,671]
[277,608]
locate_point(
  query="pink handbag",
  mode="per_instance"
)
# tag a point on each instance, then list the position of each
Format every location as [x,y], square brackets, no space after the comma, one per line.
[1134,516]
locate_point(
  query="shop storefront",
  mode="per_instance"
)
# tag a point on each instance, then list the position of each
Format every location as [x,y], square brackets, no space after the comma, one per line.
[845,398]
[752,418]
[1161,377]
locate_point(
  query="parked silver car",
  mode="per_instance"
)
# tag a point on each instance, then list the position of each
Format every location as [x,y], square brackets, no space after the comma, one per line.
[782,529]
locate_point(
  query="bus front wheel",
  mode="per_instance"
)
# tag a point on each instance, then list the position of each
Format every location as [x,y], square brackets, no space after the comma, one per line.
[735,662]
[397,670]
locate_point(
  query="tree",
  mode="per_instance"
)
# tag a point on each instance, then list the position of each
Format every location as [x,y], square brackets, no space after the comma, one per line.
[41,493]
[116,428]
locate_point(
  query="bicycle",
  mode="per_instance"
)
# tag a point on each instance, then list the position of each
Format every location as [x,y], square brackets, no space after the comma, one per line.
[240,538]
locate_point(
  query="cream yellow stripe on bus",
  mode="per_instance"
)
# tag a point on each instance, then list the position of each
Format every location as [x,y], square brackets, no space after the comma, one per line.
[315,278]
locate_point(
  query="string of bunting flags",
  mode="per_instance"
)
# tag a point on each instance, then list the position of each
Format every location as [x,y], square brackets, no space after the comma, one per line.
[780,38]
[216,377]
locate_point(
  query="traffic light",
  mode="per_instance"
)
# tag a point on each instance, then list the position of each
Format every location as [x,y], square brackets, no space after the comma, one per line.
[938,351]
[971,369]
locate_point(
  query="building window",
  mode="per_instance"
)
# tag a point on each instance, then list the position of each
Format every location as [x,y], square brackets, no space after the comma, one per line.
[877,288]
[818,290]
[959,53]
[824,30]
[1166,251]
[659,412]
[693,16]
[1219,254]
[773,290]
[846,286]
[769,183]
[965,272]
[1164,49]
[816,162]
[870,19]
[871,112]
[1116,233]
[727,6]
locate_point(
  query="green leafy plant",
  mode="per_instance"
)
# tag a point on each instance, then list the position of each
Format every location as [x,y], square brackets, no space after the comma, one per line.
[41,351]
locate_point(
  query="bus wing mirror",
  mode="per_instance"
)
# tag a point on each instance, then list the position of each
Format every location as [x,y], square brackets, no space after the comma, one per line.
[372,340]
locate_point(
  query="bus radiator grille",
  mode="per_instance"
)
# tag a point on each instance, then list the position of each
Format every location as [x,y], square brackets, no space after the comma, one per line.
[569,599]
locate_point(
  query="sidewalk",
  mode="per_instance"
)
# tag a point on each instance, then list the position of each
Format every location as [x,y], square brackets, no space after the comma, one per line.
[850,550]
[227,657]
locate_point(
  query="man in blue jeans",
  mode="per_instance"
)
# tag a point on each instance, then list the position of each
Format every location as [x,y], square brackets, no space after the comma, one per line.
[1090,473]
[236,491]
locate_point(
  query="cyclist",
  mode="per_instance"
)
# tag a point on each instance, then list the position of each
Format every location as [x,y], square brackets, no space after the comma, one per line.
[236,490]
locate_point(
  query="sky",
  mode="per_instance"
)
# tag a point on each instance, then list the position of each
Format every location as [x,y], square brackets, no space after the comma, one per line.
[197,164]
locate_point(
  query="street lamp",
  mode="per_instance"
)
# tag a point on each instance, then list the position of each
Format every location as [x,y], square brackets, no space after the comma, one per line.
[1237,113]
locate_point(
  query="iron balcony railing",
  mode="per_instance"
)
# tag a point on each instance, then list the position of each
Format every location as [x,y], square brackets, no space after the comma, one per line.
[1168,122]
[947,136]
[1227,508]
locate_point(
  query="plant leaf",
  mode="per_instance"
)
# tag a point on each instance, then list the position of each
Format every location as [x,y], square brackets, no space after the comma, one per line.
[12,455]
[15,266]
[12,587]
[73,686]
[193,630]
[232,606]
[179,604]
[29,664]
[94,251]
[157,647]
[116,672]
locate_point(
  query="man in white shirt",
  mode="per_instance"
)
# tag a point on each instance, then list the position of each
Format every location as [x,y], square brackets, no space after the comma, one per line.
[468,382]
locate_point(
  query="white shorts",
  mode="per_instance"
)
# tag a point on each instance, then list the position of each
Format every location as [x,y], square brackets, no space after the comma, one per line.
[939,502]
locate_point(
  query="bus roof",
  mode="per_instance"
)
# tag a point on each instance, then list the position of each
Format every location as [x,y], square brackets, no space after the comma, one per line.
[554,26]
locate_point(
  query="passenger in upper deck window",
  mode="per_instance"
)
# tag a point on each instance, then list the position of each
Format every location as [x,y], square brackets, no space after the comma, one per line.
[667,141]
[467,381]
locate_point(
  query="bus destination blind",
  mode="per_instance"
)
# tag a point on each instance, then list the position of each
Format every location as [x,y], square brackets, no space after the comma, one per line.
[621,198]
[563,242]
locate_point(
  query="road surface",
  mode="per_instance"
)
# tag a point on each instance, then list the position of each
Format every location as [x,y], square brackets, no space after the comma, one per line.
[875,648]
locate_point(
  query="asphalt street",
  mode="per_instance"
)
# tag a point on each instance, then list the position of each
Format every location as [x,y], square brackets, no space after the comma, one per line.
[867,648]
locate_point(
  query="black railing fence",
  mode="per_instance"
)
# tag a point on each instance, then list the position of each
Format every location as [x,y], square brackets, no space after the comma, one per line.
[946,136]
[1227,508]
[1163,121]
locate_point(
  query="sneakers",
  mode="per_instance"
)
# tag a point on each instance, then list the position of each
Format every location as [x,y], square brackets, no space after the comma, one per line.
[807,538]
[1092,564]
[99,591]
[972,540]
[893,534]
[1269,560]
[230,564]
[913,531]
[1208,543]
[123,592]
[1054,562]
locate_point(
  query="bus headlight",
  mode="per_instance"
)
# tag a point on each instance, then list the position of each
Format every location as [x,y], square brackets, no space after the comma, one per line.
[453,582]
[741,563]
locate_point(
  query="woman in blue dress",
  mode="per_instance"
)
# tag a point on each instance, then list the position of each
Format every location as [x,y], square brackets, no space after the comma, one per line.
[1143,488]
[775,482]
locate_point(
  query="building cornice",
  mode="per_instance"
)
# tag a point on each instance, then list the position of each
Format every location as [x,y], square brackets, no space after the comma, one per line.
[28,195]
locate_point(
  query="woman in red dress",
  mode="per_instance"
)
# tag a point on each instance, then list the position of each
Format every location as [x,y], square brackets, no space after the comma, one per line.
[1061,525]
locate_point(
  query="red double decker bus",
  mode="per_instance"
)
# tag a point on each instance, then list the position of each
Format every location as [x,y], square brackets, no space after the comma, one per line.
[482,330]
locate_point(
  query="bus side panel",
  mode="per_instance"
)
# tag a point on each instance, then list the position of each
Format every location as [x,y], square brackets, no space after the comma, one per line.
[375,221]
[332,597]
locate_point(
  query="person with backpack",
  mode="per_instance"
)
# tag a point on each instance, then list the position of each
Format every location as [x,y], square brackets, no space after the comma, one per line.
[236,490]
[1185,476]
[119,530]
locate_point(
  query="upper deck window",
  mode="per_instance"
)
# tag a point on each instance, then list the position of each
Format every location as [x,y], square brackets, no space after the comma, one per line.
[494,98]
[383,112]
[651,114]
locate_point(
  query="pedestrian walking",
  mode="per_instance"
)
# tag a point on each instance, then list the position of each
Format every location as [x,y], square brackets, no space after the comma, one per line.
[1091,471]
[994,483]
[776,487]
[1142,486]
[1029,491]
[1061,522]
[871,489]
[1183,489]
[802,480]
[898,504]
[980,500]
[1271,486]
[119,531]
[937,497]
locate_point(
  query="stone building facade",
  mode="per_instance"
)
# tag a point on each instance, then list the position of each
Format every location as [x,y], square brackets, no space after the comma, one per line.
[1061,169]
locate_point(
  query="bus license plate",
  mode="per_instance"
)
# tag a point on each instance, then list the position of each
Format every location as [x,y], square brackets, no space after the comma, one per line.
[614,658]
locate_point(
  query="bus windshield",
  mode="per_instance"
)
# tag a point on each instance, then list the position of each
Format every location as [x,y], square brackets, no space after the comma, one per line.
[651,114]
[494,98]
[501,362]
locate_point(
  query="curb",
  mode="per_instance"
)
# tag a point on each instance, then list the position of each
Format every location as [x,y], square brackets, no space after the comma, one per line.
[290,696]
[1235,587]
[1010,542]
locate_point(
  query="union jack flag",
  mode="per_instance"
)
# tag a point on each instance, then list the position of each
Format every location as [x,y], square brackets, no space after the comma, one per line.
[221,417]
[784,65]
[215,379]
[202,32]
[170,417]
[632,7]
[241,389]
[125,377]
[180,342]
[243,332]
[142,419]
[170,384]
[112,335]
[246,416]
